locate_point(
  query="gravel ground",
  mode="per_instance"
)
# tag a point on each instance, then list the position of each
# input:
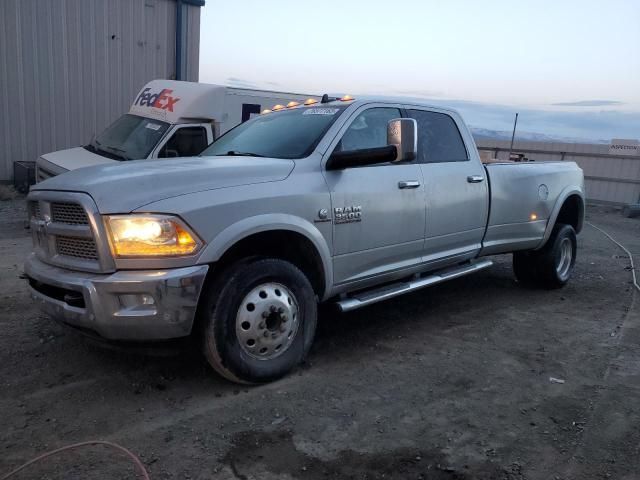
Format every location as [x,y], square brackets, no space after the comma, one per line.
[452,382]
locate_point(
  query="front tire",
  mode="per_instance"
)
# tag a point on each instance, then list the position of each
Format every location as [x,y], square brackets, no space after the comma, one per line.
[259,320]
[552,265]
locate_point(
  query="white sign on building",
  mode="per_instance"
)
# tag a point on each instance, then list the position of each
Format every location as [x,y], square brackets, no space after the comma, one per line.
[624,147]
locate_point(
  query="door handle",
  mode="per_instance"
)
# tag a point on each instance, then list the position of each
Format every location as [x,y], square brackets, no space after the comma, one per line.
[408,184]
[475,178]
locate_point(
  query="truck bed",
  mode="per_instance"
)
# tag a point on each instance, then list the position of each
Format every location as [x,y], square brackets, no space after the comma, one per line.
[523,198]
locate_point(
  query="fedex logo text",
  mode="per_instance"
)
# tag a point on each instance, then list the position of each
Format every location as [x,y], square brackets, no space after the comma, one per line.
[162,100]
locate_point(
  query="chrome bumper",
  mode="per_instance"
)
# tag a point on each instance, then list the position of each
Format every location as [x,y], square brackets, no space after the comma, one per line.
[125,305]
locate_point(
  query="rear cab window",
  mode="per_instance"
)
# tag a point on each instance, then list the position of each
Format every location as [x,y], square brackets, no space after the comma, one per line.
[439,138]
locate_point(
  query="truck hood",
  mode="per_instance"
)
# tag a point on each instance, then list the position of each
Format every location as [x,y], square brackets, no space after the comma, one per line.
[73,158]
[121,187]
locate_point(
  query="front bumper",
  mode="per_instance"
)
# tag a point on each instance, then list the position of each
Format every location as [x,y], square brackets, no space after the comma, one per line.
[125,305]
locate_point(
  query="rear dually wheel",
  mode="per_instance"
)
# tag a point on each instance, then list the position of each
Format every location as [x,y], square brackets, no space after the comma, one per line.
[552,265]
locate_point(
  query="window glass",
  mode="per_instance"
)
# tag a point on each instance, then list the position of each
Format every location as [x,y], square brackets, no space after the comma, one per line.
[439,139]
[368,130]
[129,138]
[250,110]
[185,142]
[290,133]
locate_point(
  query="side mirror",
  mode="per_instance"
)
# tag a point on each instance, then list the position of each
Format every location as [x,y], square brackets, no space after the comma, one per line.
[403,134]
[361,157]
[402,145]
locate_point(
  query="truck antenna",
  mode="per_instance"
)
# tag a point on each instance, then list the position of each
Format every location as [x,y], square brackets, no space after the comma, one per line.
[513,135]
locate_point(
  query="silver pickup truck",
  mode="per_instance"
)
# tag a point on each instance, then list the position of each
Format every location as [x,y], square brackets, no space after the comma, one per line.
[344,201]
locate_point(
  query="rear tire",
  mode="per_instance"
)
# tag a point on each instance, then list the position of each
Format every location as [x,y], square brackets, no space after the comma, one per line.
[259,320]
[552,265]
[631,211]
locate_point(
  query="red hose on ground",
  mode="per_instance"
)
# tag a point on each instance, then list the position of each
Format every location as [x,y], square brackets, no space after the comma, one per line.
[120,448]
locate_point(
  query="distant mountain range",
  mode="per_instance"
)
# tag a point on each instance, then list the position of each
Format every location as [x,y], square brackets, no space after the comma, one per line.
[485,133]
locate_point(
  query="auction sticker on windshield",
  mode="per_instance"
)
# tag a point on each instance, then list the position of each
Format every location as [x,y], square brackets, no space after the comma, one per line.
[153,126]
[321,111]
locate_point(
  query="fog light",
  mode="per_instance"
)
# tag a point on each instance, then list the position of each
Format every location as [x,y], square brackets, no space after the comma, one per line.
[136,300]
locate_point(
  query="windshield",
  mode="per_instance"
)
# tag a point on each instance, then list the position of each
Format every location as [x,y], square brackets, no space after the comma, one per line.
[284,134]
[129,138]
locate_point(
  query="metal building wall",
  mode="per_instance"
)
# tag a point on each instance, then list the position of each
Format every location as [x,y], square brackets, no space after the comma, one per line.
[68,68]
[608,178]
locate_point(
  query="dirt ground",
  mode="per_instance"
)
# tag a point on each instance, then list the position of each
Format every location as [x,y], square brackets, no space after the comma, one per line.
[452,382]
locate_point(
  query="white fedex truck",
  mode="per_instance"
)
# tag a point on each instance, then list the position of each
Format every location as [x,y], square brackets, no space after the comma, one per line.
[167,119]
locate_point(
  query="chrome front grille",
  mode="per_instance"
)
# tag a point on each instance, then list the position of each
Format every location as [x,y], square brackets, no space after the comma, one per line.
[69,213]
[77,247]
[62,227]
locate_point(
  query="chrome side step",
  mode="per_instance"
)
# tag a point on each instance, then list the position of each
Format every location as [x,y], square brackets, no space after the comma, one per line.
[368,297]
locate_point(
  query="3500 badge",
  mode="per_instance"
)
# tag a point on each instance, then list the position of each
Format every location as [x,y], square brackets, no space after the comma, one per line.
[349,214]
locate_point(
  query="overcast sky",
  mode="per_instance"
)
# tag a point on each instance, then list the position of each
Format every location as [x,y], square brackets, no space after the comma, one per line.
[571,67]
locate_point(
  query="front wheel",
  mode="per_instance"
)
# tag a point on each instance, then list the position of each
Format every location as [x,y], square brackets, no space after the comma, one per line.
[260,319]
[552,265]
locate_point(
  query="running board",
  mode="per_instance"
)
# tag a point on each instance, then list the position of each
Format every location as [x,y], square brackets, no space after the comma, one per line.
[368,297]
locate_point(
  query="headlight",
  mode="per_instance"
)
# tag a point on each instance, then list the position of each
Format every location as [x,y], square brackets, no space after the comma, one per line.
[150,236]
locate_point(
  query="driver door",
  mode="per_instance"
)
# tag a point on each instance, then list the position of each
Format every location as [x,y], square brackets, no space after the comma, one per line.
[378,210]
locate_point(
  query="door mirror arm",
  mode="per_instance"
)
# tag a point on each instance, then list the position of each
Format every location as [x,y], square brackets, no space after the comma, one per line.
[361,157]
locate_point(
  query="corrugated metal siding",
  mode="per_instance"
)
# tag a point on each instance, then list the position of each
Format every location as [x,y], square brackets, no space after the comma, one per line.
[193,43]
[608,178]
[68,68]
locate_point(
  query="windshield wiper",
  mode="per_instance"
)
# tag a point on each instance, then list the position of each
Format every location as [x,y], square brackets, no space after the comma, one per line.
[234,153]
[119,151]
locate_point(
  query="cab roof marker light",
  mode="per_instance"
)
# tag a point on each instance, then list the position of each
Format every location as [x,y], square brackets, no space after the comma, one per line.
[346,98]
[310,101]
[266,110]
[292,104]
[277,107]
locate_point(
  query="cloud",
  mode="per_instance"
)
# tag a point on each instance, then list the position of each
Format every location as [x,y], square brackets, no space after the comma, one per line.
[240,83]
[587,125]
[419,93]
[243,83]
[588,103]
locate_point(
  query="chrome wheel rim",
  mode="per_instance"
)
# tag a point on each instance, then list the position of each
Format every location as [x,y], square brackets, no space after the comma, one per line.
[565,258]
[267,321]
